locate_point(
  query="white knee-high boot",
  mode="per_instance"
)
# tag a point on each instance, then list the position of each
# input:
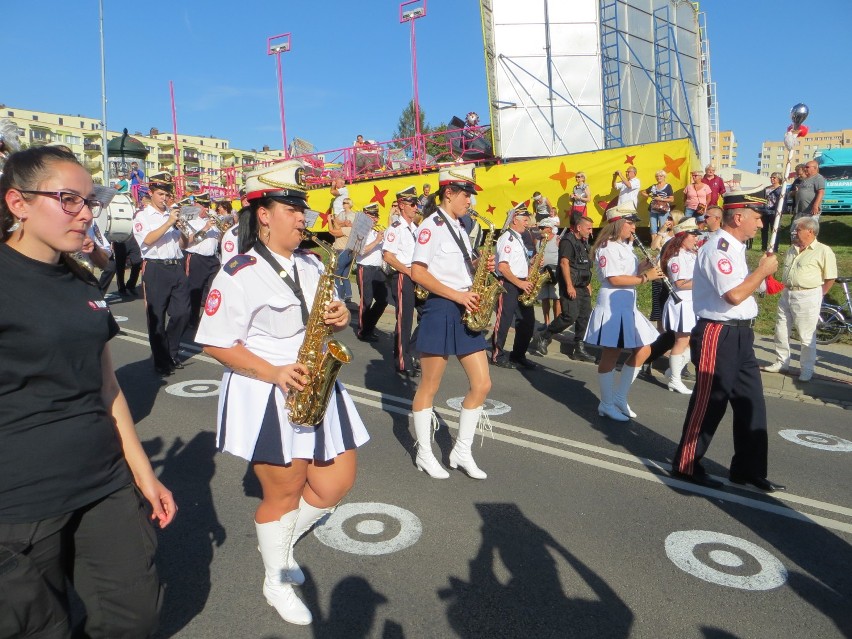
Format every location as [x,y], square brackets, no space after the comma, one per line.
[308,516]
[607,408]
[461,455]
[676,364]
[273,541]
[426,460]
[628,374]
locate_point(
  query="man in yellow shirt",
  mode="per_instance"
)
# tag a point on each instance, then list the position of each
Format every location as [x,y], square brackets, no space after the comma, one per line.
[810,269]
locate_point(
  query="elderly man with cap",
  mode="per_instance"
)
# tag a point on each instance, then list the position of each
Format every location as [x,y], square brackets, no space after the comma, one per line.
[722,347]
[513,271]
[398,252]
[550,261]
[254,323]
[164,279]
[372,281]
[810,269]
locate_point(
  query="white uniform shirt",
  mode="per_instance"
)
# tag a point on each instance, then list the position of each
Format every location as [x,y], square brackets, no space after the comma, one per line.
[374,256]
[511,250]
[167,247]
[615,258]
[681,267]
[721,266]
[400,240]
[208,245]
[230,243]
[628,197]
[248,304]
[440,254]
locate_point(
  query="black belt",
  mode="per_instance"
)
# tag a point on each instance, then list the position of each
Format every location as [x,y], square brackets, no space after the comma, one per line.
[742,323]
[170,262]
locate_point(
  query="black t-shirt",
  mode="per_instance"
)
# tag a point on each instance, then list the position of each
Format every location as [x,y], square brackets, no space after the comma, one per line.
[576,251]
[59,449]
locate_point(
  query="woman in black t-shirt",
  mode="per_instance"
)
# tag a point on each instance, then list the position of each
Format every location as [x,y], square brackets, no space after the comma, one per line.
[72,468]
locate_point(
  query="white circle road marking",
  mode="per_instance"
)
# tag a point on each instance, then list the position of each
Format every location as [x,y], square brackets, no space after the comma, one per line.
[738,563]
[195,388]
[120,318]
[492,406]
[821,441]
[370,528]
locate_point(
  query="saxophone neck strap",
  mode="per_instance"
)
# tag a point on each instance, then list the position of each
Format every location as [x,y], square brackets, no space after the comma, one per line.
[291,282]
[457,237]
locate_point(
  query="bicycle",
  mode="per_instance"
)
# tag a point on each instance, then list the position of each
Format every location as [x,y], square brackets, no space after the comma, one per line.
[835,320]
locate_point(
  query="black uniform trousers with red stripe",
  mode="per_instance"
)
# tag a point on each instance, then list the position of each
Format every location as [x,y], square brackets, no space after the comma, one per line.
[402,290]
[727,372]
[200,269]
[166,292]
[510,309]
[372,284]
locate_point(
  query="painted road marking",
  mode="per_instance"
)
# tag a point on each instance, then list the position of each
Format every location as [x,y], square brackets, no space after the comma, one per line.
[370,528]
[492,406]
[120,318]
[195,388]
[725,560]
[821,441]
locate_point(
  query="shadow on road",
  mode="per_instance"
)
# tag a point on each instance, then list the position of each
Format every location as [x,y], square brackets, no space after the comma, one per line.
[140,385]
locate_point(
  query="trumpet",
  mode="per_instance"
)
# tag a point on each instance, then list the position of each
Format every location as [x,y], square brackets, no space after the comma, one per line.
[655,261]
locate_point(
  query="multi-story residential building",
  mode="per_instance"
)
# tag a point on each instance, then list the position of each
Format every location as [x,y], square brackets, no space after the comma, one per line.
[201,159]
[773,155]
[723,150]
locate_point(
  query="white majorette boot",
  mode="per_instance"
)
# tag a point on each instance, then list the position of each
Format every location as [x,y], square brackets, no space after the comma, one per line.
[628,374]
[606,408]
[676,364]
[308,516]
[461,455]
[273,541]
[425,460]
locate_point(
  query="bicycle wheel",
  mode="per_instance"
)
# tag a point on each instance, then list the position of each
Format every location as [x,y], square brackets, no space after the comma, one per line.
[830,325]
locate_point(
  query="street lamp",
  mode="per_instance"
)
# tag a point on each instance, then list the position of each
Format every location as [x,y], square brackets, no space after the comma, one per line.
[276,45]
[409,12]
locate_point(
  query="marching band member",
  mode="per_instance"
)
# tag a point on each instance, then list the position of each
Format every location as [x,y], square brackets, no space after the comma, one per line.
[398,251]
[723,351]
[372,281]
[678,262]
[513,269]
[164,280]
[254,323]
[442,264]
[202,263]
[616,323]
[230,245]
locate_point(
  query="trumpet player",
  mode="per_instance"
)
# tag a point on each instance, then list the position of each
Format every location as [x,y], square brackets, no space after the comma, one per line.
[202,262]
[513,270]
[372,281]
[164,281]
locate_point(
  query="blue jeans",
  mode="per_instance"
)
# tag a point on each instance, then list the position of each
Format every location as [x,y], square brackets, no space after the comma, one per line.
[657,220]
[688,213]
[343,286]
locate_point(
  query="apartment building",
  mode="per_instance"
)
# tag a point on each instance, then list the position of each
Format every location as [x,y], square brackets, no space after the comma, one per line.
[723,150]
[773,155]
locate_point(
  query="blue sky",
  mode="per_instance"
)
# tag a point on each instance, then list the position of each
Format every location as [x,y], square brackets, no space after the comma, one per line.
[349,70]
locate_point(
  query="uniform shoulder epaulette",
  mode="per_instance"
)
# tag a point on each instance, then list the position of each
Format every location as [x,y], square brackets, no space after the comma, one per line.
[395,224]
[307,252]
[234,231]
[511,237]
[723,244]
[238,262]
[438,220]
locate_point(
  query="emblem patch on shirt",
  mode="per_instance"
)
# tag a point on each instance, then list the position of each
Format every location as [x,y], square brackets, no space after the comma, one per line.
[725,266]
[138,226]
[507,249]
[424,236]
[723,244]
[229,246]
[675,268]
[602,261]
[214,299]
[391,237]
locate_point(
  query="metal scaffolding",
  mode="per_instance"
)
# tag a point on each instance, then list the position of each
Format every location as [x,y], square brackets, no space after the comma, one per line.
[712,103]
[663,73]
[611,74]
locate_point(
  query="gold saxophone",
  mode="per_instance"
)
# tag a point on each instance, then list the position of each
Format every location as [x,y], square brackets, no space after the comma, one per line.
[484,283]
[537,276]
[320,354]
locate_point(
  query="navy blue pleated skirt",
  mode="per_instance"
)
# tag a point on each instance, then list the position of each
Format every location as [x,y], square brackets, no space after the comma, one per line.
[442,331]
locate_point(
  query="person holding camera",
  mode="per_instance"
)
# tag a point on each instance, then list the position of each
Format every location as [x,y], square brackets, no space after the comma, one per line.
[627,185]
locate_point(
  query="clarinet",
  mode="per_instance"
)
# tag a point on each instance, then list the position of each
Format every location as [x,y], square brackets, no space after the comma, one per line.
[655,262]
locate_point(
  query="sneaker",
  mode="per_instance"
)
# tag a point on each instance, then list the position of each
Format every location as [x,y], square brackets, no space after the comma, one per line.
[777,367]
[805,376]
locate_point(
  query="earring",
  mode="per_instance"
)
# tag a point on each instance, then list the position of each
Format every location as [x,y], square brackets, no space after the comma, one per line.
[265,233]
[15,226]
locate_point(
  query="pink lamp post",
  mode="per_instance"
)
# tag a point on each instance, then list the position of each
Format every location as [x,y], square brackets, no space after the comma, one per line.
[409,12]
[276,45]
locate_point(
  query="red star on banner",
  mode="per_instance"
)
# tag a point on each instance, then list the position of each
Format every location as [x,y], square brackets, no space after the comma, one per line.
[514,179]
[514,204]
[324,217]
[628,159]
[378,196]
[673,165]
[490,209]
[563,176]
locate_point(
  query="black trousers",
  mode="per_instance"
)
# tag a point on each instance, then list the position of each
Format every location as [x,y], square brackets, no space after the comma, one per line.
[372,283]
[200,271]
[402,290]
[575,313]
[727,372]
[509,310]
[121,253]
[106,550]
[166,292]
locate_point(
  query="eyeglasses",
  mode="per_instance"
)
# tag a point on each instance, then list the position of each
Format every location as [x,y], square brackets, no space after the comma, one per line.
[71,203]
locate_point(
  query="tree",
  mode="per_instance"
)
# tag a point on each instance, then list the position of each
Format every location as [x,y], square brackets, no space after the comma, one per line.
[405,127]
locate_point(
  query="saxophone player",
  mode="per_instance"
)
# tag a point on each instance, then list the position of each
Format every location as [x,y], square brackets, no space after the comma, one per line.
[254,324]
[443,265]
[513,271]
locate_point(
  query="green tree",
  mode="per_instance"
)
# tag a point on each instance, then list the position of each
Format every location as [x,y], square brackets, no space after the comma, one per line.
[405,126]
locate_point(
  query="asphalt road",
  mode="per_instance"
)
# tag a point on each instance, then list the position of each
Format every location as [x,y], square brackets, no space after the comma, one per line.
[577,532]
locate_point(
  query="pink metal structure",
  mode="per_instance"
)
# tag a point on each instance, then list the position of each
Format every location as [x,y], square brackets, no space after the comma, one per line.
[276,45]
[178,183]
[409,12]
